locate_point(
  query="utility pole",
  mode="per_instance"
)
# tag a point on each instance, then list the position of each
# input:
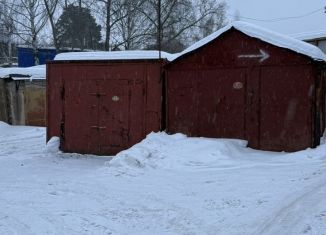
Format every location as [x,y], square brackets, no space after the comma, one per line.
[108,24]
[159,29]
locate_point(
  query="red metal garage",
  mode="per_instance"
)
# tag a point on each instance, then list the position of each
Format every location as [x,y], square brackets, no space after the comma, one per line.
[102,103]
[249,83]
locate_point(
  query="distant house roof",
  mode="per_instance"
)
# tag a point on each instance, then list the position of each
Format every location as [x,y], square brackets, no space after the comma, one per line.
[263,34]
[34,72]
[309,36]
[112,55]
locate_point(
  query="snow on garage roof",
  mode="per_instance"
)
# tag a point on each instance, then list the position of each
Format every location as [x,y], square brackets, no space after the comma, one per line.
[310,35]
[34,72]
[263,34]
[112,55]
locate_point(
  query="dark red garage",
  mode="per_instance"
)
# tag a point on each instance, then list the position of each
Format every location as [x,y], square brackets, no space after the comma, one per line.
[103,102]
[249,83]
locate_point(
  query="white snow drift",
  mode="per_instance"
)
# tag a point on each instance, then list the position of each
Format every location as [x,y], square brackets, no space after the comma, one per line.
[167,184]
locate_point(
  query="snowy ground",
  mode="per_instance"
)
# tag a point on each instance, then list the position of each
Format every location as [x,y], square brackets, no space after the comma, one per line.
[164,185]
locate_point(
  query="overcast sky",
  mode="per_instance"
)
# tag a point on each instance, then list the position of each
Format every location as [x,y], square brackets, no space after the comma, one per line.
[305,21]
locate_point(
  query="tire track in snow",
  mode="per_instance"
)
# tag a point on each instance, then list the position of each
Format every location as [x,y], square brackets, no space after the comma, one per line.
[289,217]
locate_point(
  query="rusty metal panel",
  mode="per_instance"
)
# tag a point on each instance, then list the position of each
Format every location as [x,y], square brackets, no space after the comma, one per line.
[54,92]
[318,104]
[114,116]
[103,107]
[221,99]
[137,112]
[321,96]
[209,104]
[271,107]
[286,117]
[153,102]
[252,110]
[80,116]
[275,108]
[182,102]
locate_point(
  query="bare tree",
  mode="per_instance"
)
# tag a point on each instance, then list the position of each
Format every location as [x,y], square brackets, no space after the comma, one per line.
[176,17]
[108,7]
[114,14]
[211,16]
[179,19]
[7,29]
[51,7]
[133,26]
[29,18]
[105,10]
[126,24]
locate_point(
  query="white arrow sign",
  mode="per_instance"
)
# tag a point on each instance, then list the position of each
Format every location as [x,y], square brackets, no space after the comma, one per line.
[263,55]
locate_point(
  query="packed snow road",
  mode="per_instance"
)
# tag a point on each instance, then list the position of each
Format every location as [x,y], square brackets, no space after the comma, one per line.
[164,185]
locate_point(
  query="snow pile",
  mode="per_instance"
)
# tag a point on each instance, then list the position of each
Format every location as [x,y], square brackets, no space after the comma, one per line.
[112,55]
[4,127]
[179,152]
[34,72]
[53,145]
[160,150]
[263,34]
[3,124]
[316,153]
[148,153]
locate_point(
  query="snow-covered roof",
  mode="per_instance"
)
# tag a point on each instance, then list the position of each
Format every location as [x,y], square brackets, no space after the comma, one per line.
[306,36]
[30,47]
[263,34]
[112,55]
[34,72]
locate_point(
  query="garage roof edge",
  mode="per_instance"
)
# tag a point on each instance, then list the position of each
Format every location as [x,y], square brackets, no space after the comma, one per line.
[113,55]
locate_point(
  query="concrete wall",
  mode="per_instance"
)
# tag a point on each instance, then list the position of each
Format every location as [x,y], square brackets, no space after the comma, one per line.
[23,102]
[15,96]
[35,102]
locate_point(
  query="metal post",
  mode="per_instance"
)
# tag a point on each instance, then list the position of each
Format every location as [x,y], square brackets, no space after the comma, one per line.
[159,28]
